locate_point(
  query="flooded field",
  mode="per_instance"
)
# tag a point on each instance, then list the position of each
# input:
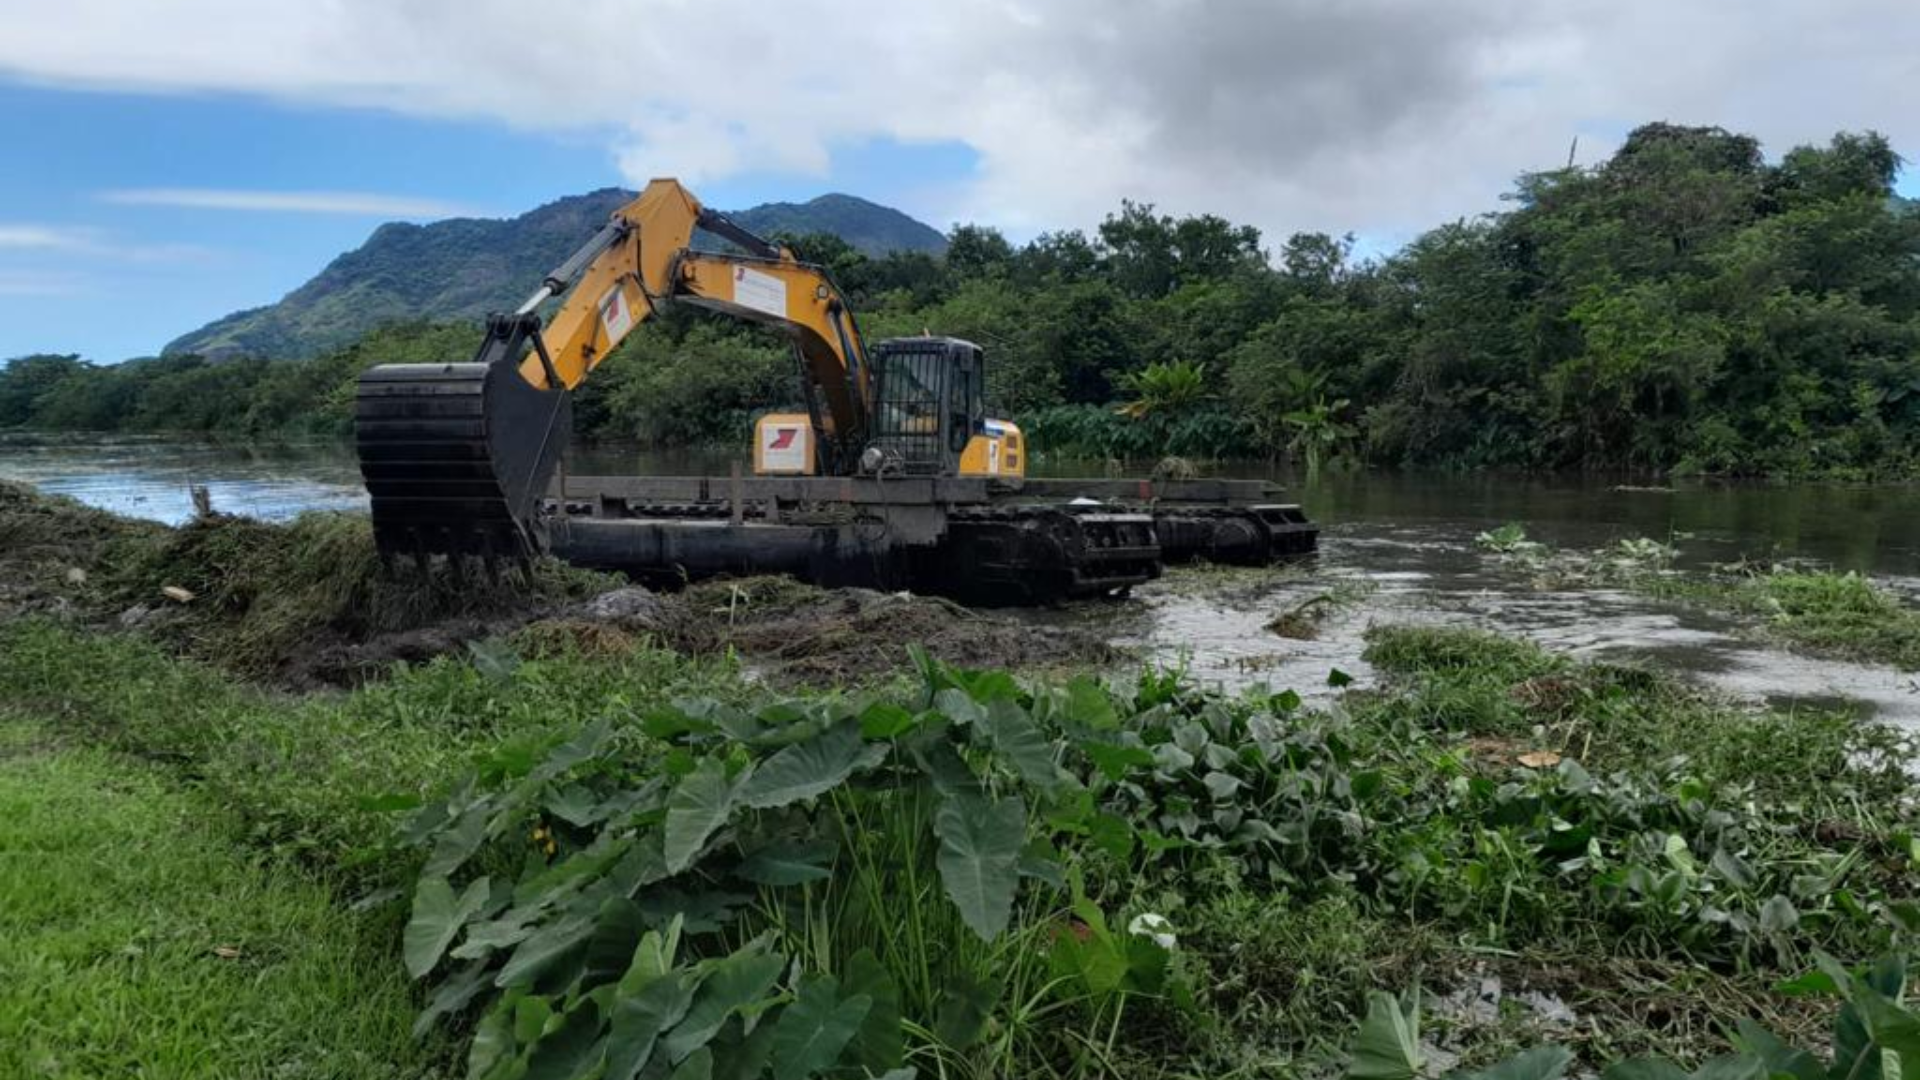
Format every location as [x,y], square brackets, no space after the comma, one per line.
[1395,549]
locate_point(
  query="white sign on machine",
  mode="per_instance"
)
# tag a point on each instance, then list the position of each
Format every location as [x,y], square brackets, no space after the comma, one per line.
[785,446]
[760,292]
[615,313]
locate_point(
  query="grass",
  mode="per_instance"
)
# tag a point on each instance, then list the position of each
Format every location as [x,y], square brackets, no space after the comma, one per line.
[140,937]
[1426,853]
[1842,615]
[308,771]
[1822,612]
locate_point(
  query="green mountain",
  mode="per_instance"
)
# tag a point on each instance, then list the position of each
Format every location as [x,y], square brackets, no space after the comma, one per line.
[463,268]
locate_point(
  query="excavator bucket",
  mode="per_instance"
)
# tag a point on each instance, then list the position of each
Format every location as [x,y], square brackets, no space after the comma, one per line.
[457,458]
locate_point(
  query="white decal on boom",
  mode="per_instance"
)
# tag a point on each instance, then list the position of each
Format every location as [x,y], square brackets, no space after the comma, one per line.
[761,292]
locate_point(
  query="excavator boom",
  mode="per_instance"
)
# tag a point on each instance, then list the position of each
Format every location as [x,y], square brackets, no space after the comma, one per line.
[457,457]
[894,475]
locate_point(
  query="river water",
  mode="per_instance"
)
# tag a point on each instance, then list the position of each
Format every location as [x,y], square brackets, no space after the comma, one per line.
[1403,544]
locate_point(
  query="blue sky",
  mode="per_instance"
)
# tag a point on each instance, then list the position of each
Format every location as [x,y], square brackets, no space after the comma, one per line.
[142,140]
[90,271]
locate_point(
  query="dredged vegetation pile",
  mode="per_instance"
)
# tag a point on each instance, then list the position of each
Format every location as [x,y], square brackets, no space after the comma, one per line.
[307,602]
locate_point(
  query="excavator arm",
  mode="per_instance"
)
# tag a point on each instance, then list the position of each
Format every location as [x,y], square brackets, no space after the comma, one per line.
[457,457]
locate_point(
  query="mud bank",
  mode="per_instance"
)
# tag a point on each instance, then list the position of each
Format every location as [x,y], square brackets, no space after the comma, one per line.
[306,604]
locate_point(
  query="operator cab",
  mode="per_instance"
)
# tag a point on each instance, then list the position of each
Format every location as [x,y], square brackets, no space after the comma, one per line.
[929,404]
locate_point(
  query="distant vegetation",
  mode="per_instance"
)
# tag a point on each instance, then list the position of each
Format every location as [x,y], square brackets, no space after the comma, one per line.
[1685,306]
[463,268]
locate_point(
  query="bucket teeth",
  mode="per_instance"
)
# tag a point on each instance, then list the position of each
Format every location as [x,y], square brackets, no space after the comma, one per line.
[457,458]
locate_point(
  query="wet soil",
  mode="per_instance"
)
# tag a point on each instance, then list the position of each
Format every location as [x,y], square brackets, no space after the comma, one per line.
[306,604]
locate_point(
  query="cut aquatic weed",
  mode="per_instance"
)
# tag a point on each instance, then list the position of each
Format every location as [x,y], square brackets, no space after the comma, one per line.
[1874,1034]
[1822,611]
[1510,540]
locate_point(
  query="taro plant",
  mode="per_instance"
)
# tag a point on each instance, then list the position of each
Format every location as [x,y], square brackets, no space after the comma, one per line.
[809,888]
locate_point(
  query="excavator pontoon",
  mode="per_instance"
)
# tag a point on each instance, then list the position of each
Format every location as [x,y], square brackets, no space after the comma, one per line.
[893,475]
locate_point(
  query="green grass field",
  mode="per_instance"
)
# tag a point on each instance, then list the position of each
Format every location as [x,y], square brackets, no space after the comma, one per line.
[139,936]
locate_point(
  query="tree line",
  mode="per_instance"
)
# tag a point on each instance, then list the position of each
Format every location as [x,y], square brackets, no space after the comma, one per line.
[1685,306]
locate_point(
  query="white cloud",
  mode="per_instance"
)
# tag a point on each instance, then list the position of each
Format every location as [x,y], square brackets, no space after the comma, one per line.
[38,282]
[69,241]
[359,203]
[1377,115]
[41,237]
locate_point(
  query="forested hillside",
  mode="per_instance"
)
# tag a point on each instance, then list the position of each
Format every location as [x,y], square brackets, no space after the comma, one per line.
[463,268]
[1684,306]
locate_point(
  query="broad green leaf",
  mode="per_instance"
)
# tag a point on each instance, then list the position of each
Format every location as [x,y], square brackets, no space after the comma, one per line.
[1388,1045]
[1089,704]
[653,957]
[880,1043]
[1093,963]
[568,1050]
[980,843]
[493,1038]
[697,1066]
[965,1006]
[1040,860]
[885,720]
[805,769]
[1781,1059]
[1644,1068]
[789,862]
[811,1032]
[941,763]
[452,996]
[575,751]
[1115,760]
[1889,975]
[957,705]
[438,916]
[1015,737]
[742,1055]
[616,934]
[1337,678]
[456,843]
[1892,1028]
[1539,1063]
[1111,834]
[530,1016]
[699,805]
[640,1019]
[555,942]
[1807,984]
[736,981]
[574,804]
[1732,1067]
[1855,1057]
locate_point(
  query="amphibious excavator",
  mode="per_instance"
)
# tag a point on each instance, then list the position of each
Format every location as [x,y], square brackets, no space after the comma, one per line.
[892,475]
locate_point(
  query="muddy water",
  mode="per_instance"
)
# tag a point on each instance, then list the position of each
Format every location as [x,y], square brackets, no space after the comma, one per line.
[1403,545]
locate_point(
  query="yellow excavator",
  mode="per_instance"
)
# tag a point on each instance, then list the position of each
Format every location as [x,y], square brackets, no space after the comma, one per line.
[893,474]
